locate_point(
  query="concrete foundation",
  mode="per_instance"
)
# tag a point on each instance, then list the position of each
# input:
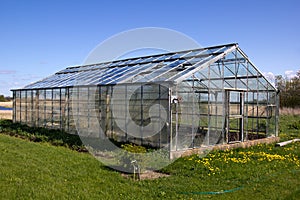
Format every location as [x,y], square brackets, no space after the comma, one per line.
[203,150]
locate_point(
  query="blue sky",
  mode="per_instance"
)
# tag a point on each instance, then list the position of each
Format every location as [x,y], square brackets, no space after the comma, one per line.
[39,38]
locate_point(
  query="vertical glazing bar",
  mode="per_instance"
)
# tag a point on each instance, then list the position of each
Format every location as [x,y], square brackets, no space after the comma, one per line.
[200,126]
[88,108]
[20,106]
[32,107]
[253,113]
[78,116]
[238,110]
[247,104]
[107,102]
[193,113]
[14,106]
[170,127]
[227,131]
[67,107]
[224,107]
[111,113]
[268,113]
[257,106]
[216,111]
[235,68]
[209,108]
[26,113]
[242,116]
[37,107]
[45,107]
[60,110]
[159,115]
[176,120]
[126,107]
[100,114]
[142,116]
[224,103]
[52,109]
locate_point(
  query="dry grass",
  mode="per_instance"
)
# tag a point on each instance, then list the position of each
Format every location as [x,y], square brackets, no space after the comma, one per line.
[289,111]
[5,114]
[8,104]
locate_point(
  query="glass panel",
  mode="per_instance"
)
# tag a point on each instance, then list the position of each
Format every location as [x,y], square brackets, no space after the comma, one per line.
[215,72]
[252,70]
[193,53]
[229,70]
[242,71]
[240,84]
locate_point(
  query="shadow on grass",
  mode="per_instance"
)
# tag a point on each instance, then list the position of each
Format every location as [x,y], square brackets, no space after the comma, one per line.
[37,134]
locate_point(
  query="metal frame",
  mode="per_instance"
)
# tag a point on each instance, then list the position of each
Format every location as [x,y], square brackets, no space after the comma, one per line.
[203,77]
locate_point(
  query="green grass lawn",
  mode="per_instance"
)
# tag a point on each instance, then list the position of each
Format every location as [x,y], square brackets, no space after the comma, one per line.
[31,170]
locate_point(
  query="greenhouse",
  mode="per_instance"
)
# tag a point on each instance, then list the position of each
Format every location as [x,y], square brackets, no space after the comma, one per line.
[176,100]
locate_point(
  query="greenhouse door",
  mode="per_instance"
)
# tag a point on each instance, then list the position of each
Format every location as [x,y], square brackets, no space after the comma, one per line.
[234,109]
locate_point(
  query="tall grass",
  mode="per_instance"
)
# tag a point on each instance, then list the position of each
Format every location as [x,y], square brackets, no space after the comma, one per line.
[289,111]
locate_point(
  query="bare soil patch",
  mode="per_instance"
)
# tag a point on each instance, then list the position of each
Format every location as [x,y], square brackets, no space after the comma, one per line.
[148,175]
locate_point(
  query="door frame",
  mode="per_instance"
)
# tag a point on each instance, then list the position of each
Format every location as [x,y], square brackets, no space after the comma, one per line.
[239,116]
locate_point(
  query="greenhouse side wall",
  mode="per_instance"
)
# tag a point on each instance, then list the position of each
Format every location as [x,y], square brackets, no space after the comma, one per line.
[122,113]
[131,113]
[41,107]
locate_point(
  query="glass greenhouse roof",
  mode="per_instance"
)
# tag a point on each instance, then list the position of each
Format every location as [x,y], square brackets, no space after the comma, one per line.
[225,63]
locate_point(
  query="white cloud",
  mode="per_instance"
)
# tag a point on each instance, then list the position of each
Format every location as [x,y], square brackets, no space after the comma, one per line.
[270,76]
[289,74]
[7,72]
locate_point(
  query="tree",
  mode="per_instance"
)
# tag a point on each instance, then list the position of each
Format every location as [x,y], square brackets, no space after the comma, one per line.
[2,98]
[289,90]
